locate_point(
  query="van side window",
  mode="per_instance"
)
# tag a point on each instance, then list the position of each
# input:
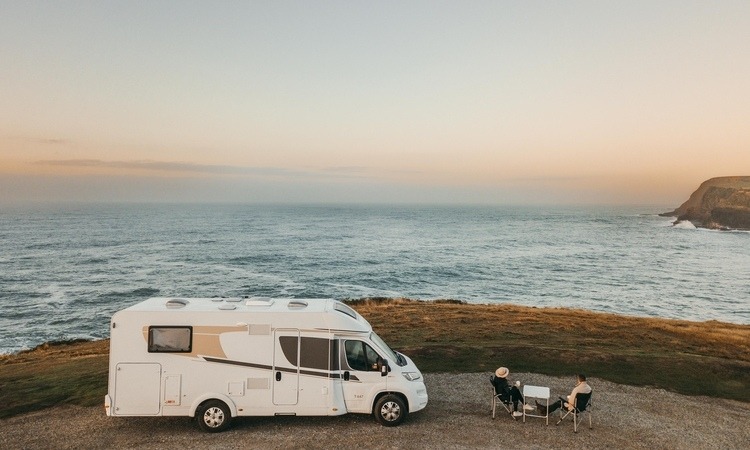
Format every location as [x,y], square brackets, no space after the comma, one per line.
[314,353]
[170,339]
[361,356]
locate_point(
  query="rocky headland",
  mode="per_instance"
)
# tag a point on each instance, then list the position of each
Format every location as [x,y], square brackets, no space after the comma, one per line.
[719,203]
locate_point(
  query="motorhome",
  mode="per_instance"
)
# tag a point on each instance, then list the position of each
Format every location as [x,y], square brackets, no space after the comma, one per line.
[219,358]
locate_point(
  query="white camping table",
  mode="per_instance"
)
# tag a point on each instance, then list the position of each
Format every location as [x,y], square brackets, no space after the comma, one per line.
[539,392]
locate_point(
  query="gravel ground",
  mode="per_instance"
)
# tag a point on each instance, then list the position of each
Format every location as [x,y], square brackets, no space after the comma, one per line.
[458,416]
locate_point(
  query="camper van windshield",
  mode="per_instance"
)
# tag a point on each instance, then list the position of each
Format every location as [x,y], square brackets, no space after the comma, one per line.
[390,354]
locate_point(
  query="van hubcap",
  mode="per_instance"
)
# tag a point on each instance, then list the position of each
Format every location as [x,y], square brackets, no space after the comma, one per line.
[390,411]
[213,417]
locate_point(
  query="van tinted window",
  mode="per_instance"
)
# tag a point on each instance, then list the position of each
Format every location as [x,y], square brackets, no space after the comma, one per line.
[361,356]
[315,353]
[170,339]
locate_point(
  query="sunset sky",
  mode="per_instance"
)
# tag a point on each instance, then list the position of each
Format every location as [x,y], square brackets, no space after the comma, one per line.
[625,102]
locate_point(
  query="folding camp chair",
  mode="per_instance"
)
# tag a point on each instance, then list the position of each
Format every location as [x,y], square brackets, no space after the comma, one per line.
[581,405]
[501,398]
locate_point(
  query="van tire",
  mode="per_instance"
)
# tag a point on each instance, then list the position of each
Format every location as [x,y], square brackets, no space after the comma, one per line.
[213,416]
[390,410]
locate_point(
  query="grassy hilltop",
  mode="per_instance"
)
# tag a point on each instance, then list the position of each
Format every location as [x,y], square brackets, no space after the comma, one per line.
[695,358]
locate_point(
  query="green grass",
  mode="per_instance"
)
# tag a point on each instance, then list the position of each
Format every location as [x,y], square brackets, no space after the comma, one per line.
[33,386]
[693,358]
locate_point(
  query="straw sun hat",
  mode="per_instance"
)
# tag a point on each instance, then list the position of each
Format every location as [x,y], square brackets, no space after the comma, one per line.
[502,372]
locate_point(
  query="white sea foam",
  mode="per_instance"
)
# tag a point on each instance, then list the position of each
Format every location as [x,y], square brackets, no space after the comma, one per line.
[357,290]
[660,221]
[685,225]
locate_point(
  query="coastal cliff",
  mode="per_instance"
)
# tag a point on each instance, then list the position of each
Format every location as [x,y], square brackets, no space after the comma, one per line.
[718,203]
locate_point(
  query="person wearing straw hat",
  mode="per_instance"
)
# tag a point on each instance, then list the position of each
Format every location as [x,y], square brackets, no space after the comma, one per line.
[506,389]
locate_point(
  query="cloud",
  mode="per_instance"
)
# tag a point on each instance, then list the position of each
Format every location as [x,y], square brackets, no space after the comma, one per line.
[340,172]
[347,169]
[52,141]
[36,140]
[546,180]
[364,170]
[169,166]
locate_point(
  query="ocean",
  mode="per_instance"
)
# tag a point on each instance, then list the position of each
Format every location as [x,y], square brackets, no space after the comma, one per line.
[65,269]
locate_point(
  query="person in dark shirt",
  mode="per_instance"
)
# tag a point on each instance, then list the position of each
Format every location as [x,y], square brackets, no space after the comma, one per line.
[506,390]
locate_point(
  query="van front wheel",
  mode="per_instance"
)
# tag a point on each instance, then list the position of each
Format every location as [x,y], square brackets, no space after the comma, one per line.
[390,410]
[214,416]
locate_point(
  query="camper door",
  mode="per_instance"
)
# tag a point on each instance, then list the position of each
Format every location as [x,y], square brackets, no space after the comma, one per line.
[362,378]
[286,367]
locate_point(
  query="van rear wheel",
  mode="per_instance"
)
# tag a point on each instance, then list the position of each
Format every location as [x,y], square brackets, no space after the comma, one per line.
[390,410]
[214,416]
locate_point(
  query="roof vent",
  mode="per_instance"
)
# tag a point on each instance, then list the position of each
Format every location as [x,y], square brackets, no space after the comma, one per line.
[342,308]
[259,301]
[297,304]
[174,303]
[227,307]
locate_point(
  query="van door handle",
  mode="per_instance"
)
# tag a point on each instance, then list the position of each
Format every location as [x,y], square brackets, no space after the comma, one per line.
[278,376]
[346,375]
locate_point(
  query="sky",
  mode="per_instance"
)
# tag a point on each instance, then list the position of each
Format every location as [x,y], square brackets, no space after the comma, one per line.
[490,102]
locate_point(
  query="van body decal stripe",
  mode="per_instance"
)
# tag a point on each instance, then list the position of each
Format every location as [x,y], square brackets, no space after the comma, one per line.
[280,369]
[237,363]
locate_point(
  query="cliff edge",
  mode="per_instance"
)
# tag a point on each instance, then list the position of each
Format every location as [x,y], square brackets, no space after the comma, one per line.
[718,203]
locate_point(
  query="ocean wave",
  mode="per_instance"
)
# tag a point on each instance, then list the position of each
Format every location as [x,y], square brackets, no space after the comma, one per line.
[144,292]
[607,259]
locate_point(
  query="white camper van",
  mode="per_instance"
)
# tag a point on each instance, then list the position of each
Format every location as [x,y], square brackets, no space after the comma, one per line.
[218,358]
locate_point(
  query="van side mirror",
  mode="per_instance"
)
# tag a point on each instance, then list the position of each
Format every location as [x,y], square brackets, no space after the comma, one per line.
[384,367]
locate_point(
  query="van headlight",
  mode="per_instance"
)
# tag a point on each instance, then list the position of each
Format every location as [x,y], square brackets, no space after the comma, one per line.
[411,376]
